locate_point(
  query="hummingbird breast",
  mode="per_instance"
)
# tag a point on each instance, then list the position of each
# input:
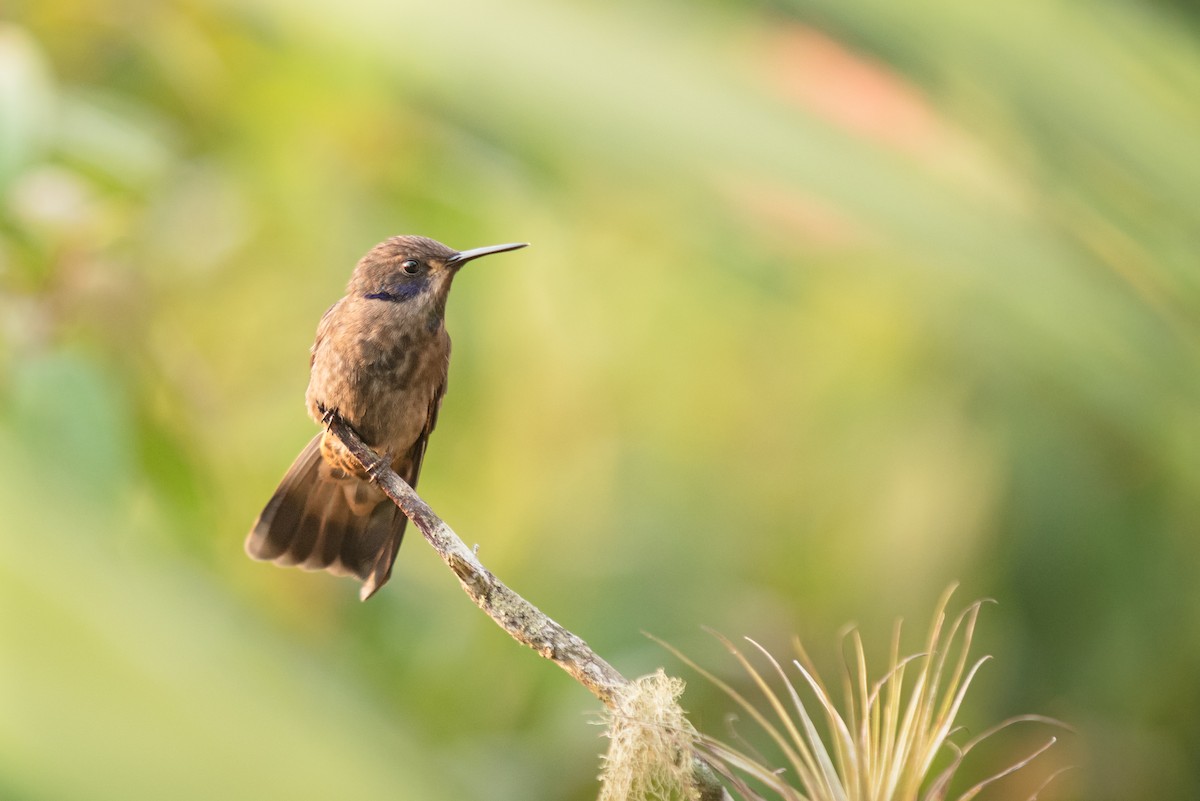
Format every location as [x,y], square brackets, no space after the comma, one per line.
[382,367]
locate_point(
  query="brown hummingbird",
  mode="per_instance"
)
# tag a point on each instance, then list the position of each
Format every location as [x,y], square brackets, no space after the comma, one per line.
[380,361]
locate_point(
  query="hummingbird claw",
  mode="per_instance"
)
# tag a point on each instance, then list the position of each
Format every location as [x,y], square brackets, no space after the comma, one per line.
[382,461]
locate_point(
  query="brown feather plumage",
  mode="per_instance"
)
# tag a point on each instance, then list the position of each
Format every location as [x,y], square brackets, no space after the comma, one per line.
[380,361]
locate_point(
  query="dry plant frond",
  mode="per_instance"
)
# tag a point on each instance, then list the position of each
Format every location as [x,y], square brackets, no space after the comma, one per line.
[883,745]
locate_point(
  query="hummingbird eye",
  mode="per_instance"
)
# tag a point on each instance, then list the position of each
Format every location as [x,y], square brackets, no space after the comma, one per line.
[410,267]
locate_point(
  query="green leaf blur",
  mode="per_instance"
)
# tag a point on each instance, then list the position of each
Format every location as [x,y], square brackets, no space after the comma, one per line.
[829,304]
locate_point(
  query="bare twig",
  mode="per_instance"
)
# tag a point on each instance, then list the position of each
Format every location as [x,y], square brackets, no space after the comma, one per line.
[523,621]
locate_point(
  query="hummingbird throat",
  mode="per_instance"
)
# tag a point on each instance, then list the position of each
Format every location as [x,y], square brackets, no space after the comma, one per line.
[398,293]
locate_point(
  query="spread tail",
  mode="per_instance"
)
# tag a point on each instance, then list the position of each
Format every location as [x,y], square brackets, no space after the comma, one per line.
[320,518]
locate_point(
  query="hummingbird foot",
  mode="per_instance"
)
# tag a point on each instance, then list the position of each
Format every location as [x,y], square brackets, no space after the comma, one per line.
[381,461]
[328,416]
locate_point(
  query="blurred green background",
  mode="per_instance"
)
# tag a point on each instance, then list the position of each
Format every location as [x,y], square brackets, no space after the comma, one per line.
[829,303]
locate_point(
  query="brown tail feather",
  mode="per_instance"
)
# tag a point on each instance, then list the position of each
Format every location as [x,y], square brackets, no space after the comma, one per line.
[321,519]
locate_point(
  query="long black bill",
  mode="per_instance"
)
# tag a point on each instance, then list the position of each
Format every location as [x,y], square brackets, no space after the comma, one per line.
[461,258]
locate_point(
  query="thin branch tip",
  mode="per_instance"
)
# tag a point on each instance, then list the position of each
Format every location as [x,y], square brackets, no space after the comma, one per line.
[523,621]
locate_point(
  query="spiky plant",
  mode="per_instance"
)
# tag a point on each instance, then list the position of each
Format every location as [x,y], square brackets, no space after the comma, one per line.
[883,745]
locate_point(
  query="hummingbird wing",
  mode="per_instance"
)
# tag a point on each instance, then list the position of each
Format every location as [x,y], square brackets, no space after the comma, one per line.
[408,467]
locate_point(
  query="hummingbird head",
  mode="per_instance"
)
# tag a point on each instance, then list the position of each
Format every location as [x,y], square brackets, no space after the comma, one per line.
[413,270]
